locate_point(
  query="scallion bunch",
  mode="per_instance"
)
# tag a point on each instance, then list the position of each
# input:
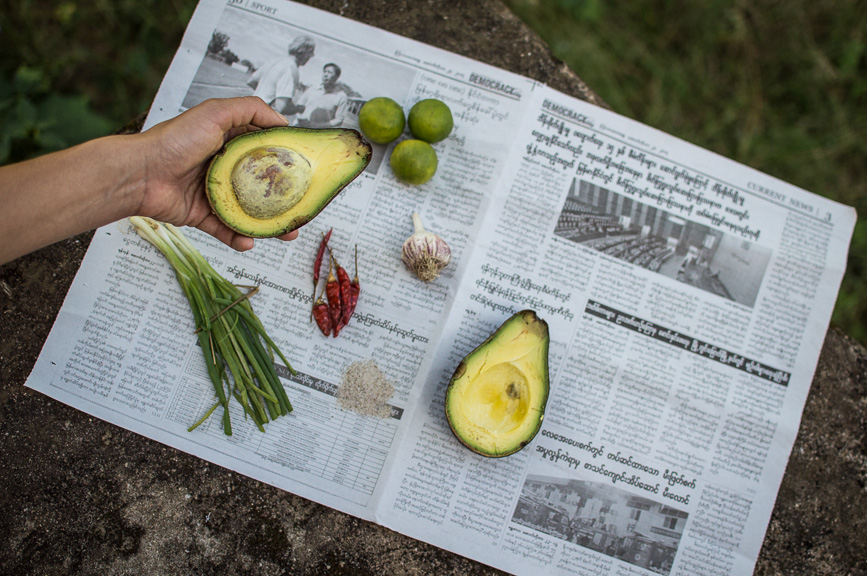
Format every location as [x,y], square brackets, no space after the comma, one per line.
[231,336]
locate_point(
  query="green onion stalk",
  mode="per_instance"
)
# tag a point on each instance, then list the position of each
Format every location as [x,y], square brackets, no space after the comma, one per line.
[238,352]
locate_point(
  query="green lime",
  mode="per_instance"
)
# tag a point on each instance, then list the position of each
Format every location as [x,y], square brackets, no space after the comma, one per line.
[381,120]
[414,161]
[431,120]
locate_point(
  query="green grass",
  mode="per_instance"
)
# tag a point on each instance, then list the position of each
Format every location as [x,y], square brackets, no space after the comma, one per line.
[779,86]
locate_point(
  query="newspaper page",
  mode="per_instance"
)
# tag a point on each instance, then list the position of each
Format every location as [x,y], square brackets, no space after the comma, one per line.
[687,297]
[123,347]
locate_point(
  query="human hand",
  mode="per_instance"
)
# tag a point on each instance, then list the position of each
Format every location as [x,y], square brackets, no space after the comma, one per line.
[176,156]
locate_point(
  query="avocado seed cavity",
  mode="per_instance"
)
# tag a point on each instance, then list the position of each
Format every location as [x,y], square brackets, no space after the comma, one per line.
[497,400]
[270,180]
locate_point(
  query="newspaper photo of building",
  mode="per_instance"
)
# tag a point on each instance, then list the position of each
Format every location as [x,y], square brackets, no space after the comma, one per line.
[603,518]
[652,238]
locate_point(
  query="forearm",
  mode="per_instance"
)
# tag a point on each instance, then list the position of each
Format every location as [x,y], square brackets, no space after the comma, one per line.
[158,173]
[56,196]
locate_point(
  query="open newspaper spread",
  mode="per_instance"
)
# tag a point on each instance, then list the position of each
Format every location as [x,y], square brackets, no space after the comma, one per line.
[687,298]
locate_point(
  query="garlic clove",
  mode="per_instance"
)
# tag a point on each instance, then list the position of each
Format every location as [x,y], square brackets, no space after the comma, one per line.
[425,253]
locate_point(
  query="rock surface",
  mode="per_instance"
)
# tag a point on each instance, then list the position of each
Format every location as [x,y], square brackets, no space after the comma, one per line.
[80,496]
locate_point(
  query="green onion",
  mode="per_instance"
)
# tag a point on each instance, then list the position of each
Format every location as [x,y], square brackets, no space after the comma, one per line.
[238,352]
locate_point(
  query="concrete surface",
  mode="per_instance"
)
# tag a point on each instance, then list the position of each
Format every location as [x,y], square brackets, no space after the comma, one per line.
[79,496]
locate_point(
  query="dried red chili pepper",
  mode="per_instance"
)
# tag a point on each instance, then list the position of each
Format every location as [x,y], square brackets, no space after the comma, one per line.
[345,293]
[319,254]
[317,264]
[354,287]
[322,315]
[332,292]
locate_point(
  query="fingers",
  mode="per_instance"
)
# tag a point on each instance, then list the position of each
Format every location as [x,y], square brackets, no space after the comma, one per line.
[237,131]
[243,112]
[241,243]
[288,236]
[213,226]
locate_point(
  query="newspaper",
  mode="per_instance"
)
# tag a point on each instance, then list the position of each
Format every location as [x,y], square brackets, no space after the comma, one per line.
[687,297]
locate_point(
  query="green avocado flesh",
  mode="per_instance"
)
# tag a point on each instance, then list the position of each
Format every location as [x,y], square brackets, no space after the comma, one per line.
[496,398]
[269,182]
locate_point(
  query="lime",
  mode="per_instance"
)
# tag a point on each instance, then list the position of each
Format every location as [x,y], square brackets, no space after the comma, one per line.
[381,120]
[430,120]
[414,161]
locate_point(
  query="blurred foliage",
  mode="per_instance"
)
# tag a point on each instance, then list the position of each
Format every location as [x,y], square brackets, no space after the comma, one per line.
[779,86]
[34,120]
[70,71]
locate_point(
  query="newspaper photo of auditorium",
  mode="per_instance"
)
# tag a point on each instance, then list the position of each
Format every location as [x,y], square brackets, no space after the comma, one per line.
[313,80]
[601,517]
[694,254]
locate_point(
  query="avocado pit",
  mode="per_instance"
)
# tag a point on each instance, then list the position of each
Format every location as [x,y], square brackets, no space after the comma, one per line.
[267,183]
[270,180]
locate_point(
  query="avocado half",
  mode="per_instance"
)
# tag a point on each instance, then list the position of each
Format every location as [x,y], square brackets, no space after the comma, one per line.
[496,398]
[269,182]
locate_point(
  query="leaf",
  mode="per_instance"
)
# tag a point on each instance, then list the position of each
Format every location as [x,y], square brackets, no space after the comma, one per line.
[6,90]
[65,12]
[852,54]
[49,141]
[5,148]
[70,119]
[23,119]
[30,81]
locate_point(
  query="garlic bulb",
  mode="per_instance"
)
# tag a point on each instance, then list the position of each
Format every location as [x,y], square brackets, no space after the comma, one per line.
[425,253]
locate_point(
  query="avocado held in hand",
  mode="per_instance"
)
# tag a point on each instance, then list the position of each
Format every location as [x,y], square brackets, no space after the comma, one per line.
[496,399]
[269,182]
